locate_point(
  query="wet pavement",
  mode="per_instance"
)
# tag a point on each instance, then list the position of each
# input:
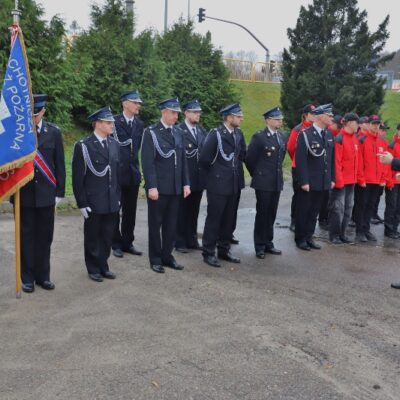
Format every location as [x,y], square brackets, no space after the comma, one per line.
[304,325]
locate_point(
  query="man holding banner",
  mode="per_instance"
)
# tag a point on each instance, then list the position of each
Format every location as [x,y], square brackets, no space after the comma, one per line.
[38,199]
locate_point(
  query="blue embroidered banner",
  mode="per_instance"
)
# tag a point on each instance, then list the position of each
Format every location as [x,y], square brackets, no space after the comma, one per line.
[17,137]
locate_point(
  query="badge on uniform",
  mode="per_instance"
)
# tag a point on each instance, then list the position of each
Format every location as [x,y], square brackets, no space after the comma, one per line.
[190,145]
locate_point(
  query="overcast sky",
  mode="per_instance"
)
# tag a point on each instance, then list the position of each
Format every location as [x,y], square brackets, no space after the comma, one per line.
[267,19]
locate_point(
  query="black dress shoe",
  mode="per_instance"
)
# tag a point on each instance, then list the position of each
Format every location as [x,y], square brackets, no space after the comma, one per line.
[47,285]
[28,287]
[229,257]
[376,220]
[132,250]
[346,240]
[234,240]
[108,275]
[336,240]
[118,253]
[96,277]
[392,235]
[212,261]
[313,245]
[183,250]
[360,237]
[260,254]
[157,268]
[303,246]
[174,265]
[395,285]
[370,236]
[273,250]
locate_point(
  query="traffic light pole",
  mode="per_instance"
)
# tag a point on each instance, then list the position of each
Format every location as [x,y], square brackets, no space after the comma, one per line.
[243,27]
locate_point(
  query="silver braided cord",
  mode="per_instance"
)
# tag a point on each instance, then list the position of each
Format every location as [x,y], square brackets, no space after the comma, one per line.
[158,148]
[313,153]
[191,154]
[221,150]
[90,165]
[123,144]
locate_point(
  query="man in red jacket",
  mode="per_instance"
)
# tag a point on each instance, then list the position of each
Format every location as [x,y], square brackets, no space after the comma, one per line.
[374,175]
[392,195]
[347,175]
[307,119]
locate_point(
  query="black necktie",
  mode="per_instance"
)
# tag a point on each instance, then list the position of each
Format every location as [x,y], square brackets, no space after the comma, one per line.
[195,133]
[37,129]
[105,144]
[169,130]
[130,124]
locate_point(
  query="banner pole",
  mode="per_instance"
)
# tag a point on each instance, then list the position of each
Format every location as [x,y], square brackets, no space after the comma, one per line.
[17,217]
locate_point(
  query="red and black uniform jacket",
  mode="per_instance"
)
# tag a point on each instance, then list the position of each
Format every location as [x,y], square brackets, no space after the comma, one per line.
[348,161]
[292,141]
[394,148]
[373,171]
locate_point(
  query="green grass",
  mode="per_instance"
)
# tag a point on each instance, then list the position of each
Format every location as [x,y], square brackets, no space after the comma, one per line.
[256,98]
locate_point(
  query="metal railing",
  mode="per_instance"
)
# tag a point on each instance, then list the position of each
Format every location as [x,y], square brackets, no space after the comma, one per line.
[248,71]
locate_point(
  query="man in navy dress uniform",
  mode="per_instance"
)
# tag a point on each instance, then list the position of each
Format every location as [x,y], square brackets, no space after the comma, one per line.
[221,158]
[38,199]
[96,186]
[315,173]
[193,137]
[264,160]
[166,180]
[128,133]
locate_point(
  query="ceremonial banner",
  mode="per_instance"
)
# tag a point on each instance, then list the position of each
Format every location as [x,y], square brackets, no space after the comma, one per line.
[17,137]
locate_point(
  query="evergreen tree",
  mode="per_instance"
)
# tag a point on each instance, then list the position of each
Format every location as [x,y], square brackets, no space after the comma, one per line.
[196,70]
[119,62]
[333,57]
[52,71]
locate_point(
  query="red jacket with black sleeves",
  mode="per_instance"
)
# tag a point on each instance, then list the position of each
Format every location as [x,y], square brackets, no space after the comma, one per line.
[373,171]
[347,159]
[292,141]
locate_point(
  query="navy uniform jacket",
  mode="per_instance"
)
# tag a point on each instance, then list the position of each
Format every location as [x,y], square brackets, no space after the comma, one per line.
[129,155]
[318,172]
[221,176]
[101,194]
[396,164]
[39,192]
[264,160]
[192,151]
[168,175]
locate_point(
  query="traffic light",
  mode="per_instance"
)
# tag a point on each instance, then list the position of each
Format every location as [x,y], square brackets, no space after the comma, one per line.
[202,14]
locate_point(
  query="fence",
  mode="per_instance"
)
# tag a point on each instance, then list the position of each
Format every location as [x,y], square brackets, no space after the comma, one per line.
[242,70]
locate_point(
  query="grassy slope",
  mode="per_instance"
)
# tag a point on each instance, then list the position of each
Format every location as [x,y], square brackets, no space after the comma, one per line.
[256,99]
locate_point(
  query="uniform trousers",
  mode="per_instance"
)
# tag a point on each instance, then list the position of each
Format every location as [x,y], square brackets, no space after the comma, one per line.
[218,227]
[341,206]
[307,210]
[98,232]
[37,228]
[187,220]
[367,198]
[124,233]
[392,209]
[162,217]
[296,188]
[267,206]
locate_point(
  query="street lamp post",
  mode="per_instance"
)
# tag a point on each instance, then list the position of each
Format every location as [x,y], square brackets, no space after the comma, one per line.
[166,16]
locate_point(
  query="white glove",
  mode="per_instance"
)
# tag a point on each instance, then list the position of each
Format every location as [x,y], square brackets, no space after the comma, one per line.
[58,199]
[85,212]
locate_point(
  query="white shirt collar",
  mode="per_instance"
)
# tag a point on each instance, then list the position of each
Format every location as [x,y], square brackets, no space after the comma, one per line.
[128,119]
[164,125]
[99,138]
[189,125]
[271,131]
[229,130]
[317,128]
[40,124]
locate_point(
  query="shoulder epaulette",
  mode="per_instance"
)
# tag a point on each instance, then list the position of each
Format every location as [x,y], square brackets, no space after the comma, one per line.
[339,138]
[53,125]
[362,139]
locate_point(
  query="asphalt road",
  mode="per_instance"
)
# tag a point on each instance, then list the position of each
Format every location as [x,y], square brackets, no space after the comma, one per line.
[304,325]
